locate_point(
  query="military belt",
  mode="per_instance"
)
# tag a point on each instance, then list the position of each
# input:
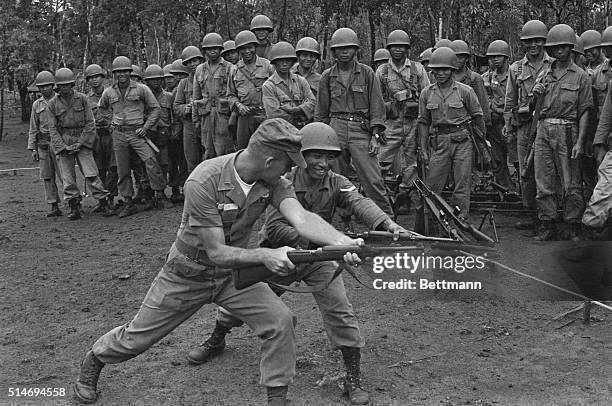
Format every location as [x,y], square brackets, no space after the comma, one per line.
[348,116]
[130,127]
[193,253]
[450,128]
[561,121]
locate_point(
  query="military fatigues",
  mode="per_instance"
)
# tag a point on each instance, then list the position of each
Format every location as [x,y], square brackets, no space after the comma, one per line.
[352,109]
[401,89]
[449,144]
[501,151]
[71,121]
[331,192]
[244,86]
[160,132]
[103,147]
[211,107]
[565,100]
[313,78]
[177,165]
[294,92]
[39,140]
[192,144]
[474,80]
[521,79]
[129,111]
[263,50]
[188,279]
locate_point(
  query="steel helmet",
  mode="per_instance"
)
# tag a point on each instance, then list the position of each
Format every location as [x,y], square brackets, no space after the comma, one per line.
[398,37]
[606,37]
[344,37]
[121,63]
[561,34]
[591,39]
[579,46]
[228,46]
[321,136]
[212,40]
[93,70]
[167,71]
[44,78]
[189,53]
[178,67]
[460,47]
[381,54]
[534,29]
[498,47]
[261,21]
[282,50]
[443,42]
[426,55]
[64,76]
[244,38]
[153,71]
[308,44]
[136,71]
[443,57]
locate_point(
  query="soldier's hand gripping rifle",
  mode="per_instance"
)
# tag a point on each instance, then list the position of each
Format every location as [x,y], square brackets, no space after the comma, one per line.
[482,149]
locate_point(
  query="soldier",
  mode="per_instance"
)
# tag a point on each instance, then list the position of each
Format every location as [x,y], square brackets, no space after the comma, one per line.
[285,94]
[561,134]
[230,53]
[244,87]
[224,197]
[442,42]
[160,132]
[308,52]
[402,81]
[130,103]
[321,191]
[495,82]
[517,112]
[578,55]
[591,42]
[447,106]
[350,100]
[39,140]
[169,82]
[183,108]
[103,147]
[381,56]
[136,74]
[262,27]
[211,107]
[606,41]
[177,170]
[73,134]
[424,58]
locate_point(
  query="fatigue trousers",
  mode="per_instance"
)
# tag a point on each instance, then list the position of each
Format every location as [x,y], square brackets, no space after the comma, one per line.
[245,127]
[528,186]
[447,155]
[104,156]
[553,157]
[338,316]
[192,145]
[49,172]
[216,138]
[177,165]
[87,164]
[180,289]
[123,142]
[355,142]
[499,152]
[600,205]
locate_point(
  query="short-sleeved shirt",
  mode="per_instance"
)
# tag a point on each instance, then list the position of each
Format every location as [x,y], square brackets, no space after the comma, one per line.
[312,77]
[324,197]
[38,135]
[568,96]
[244,86]
[293,92]
[459,106]
[102,116]
[495,84]
[131,108]
[214,198]
[361,94]
[71,121]
[601,77]
[210,87]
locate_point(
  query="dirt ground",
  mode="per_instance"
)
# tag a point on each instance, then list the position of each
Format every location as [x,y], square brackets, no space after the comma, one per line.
[64,283]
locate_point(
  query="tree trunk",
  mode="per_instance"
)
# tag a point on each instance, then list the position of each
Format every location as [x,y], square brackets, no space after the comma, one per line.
[143,47]
[227,21]
[1,106]
[282,23]
[372,36]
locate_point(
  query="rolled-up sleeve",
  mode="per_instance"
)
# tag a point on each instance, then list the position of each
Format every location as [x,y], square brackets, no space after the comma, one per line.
[377,103]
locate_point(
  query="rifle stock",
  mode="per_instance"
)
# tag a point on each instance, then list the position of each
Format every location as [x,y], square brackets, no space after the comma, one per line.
[533,130]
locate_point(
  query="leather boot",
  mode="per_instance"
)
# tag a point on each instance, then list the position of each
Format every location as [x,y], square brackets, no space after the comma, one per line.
[277,395]
[87,385]
[75,213]
[210,348]
[55,211]
[176,196]
[148,199]
[575,232]
[105,209]
[128,209]
[546,232]
[352,383]
[161,201]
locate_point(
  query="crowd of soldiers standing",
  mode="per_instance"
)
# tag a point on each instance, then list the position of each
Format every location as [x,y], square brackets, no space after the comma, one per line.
[436,113]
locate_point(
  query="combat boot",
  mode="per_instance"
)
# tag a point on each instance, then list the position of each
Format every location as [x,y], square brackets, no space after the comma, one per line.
[75,213]
[86,386]
[277,395]
[148,199]
[210,348]
[546,231]
[160,200]
[128,209]
[176,196]
[55,211]
[575,232]
[104,208]
[352,383]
